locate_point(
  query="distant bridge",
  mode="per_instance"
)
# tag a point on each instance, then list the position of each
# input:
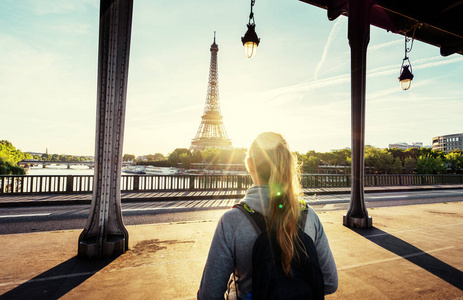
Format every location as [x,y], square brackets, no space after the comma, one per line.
[34,162]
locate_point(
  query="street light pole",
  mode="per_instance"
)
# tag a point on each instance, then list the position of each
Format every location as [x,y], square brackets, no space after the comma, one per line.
[359,36]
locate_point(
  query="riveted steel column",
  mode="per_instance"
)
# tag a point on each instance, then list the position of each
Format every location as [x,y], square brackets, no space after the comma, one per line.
[359,36]
[104,234]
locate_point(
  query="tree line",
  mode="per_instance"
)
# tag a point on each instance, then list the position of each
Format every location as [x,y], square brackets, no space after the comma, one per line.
[183,157]
[389,161]
[10,156]
[61,158]
[377,160]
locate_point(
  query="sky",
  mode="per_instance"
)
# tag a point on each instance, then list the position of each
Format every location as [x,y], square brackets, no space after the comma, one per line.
[297,84]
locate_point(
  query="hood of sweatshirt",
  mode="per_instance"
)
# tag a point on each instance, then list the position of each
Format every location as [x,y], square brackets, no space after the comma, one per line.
[257,197]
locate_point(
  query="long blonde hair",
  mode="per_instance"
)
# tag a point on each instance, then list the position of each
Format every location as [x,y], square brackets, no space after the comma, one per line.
[276,166]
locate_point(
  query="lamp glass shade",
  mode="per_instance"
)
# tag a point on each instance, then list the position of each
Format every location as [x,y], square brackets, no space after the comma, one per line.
[250,48]
[405,84]
[250,40]
[405,78]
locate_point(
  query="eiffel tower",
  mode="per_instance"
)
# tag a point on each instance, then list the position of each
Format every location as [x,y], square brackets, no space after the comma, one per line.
[211,131]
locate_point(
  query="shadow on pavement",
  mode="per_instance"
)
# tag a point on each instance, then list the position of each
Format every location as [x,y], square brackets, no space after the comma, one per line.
[58,281]
[415,255]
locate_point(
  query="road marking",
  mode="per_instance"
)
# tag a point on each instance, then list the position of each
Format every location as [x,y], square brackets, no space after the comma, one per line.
[386,197]
[25,215]
[186,205]
[448,191]
[393,258]
[325,199]
[191,204]
[164,204]
[152,208]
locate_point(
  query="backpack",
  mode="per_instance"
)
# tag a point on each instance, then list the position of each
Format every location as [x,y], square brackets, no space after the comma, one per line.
[268,278]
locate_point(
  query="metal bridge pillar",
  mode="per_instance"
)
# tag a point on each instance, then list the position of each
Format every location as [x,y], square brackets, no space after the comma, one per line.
[359,36]
[104,234]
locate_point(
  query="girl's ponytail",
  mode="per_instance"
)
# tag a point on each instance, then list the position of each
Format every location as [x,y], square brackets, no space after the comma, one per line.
[277,166]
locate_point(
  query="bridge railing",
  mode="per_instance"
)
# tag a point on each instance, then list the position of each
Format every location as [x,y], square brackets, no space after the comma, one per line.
[184,182]
[40,184]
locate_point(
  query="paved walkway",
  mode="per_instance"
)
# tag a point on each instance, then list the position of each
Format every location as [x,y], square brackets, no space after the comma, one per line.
[8,200]
[413,252]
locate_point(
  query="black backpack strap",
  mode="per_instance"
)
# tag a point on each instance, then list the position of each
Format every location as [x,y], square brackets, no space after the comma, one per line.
[257,220]
[303,217]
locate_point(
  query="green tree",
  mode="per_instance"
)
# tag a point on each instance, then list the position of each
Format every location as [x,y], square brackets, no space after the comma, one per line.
[174,157]
[396,167]
[412,152]
[155,157]
[9,157]
[9,153]
[380,160]
[76,159]
[340,157]
[454,160]
[196,157]
[211,155]
[409,165]
[159,157]
[128,157]
[7,168]
[398,153]
[185,160]
[310,163]
[430,165]
[432,153]
[329,158]
[324,157]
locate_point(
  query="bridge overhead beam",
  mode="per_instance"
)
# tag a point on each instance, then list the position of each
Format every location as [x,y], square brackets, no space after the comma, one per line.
[104,234]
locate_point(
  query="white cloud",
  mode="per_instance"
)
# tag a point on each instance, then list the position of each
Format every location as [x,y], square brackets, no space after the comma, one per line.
[44,7]
[334,31]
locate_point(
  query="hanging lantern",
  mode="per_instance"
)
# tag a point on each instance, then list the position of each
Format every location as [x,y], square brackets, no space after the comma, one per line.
[250,39]
[406,77]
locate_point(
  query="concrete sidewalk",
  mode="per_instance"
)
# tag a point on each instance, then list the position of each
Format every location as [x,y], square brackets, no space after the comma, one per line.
[12,200]
[413,252]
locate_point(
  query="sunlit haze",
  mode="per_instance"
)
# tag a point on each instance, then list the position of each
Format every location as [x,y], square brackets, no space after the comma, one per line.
[297,84]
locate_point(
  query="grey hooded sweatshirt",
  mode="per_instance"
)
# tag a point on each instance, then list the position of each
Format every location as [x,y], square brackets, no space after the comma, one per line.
[231,250]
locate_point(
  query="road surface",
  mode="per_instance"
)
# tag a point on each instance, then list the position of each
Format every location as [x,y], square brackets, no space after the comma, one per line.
[51,218]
